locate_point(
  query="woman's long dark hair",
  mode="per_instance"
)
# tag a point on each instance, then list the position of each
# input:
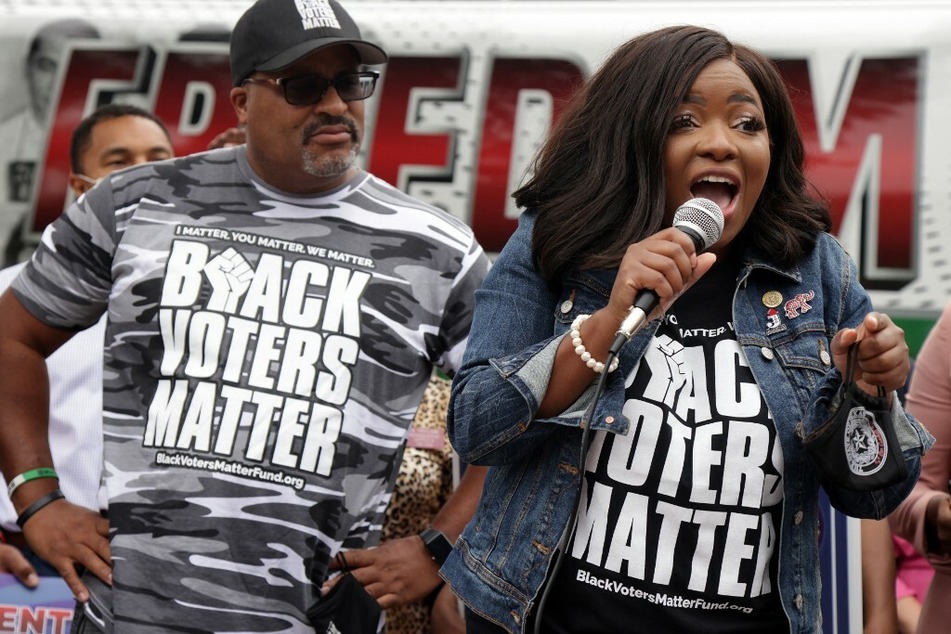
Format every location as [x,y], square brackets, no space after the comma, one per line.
[598,182]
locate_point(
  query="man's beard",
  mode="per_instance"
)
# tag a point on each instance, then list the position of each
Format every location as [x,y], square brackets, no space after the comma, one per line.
[324,165]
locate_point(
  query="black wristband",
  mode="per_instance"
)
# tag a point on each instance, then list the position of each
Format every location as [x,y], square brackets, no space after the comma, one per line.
[437,544]
[34,508]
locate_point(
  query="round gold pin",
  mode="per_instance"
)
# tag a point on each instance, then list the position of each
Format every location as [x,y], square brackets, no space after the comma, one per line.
[772,299]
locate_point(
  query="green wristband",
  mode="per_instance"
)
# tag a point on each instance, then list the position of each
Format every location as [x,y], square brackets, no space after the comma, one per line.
[26,476]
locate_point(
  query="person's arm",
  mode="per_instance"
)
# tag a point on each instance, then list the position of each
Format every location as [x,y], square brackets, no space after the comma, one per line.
[461,505]
[61,533]
[517,372]
[401,571]
[924,517]
[446,616]
[879,604]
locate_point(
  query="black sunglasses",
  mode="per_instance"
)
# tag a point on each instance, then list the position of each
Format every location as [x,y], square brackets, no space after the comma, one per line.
[307,90]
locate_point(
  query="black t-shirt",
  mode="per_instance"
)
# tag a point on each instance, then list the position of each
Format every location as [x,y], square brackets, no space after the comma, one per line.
[678,524]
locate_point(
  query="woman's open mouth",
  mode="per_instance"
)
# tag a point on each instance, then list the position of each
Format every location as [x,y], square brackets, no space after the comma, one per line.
[722,190]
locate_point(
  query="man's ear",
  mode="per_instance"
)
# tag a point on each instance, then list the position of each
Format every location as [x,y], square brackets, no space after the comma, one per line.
[78,185]
[239,101]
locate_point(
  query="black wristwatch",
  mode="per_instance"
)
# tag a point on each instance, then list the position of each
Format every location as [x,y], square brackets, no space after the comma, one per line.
[437,544]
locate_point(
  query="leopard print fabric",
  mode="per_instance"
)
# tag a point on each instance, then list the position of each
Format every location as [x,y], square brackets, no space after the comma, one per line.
[422,487]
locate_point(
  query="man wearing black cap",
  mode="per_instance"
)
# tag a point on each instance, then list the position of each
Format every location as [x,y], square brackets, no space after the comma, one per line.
[274,314]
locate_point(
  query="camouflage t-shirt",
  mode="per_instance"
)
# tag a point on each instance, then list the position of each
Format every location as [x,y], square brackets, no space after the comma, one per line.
[265,354]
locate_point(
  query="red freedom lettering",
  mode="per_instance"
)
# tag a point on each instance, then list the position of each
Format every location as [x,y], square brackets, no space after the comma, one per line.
[191,95]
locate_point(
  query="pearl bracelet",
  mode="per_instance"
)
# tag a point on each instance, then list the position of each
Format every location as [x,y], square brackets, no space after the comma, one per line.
[582,352]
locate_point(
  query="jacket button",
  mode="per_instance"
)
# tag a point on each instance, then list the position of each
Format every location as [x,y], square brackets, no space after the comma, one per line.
[825,358]
[566,306]
[767,353]
[797,518]
[798,601]
[609,419]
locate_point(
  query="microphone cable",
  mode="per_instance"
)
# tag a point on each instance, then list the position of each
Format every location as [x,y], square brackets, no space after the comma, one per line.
[573,522]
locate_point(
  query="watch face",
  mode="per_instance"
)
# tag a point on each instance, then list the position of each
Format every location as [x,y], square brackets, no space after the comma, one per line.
[437,544]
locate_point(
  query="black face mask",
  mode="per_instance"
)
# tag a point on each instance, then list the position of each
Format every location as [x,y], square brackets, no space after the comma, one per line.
[856,448]
[347,608]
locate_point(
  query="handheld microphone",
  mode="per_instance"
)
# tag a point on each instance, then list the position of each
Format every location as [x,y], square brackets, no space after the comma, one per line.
[702,220]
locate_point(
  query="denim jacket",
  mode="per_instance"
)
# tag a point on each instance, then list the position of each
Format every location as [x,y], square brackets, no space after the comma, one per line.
[500,561]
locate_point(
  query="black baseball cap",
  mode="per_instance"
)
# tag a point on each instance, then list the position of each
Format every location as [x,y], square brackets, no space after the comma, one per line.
[273,34]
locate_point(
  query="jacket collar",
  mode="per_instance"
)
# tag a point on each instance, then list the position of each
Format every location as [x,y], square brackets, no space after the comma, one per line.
[753,260]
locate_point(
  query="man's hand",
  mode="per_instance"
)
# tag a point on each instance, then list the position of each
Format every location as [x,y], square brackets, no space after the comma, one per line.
[13,562]
[67,535]
[229,138]
[397,572]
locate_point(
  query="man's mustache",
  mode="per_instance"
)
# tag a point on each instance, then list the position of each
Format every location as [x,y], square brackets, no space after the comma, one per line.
[312,128]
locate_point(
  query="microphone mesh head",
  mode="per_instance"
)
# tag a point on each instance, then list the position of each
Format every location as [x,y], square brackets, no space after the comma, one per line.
[703,216]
